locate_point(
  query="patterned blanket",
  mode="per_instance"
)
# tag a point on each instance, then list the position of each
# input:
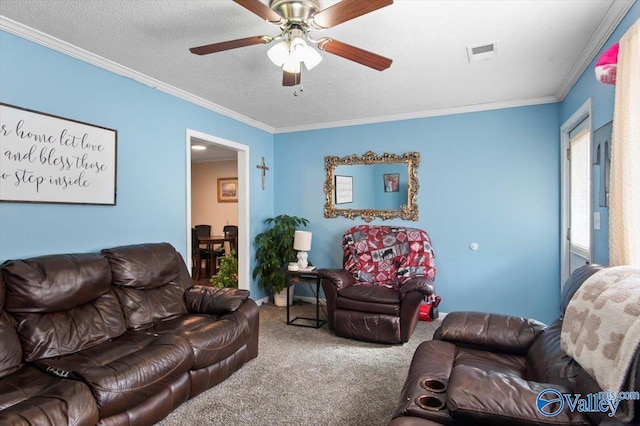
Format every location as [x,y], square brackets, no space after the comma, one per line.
[601,330]
[388,255]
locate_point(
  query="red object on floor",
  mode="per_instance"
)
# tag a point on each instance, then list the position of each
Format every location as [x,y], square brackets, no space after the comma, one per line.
[429,310]
[424,315]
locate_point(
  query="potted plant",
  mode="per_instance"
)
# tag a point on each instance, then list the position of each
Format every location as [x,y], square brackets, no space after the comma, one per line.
[274,251]
[227,275]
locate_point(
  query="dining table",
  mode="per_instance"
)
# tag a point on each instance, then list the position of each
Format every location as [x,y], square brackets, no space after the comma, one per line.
[212,240]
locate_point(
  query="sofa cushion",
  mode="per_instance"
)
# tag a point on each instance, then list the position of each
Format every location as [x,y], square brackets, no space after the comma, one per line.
[143,266]
[124,372]
[31,397]
[55,283]
[491,361]
[212,339]
[62,303]
[213,300]
[371,294]
[148,282]
[491,332]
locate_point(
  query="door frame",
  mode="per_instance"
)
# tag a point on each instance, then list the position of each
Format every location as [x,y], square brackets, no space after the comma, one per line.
[584,112]
[242,152]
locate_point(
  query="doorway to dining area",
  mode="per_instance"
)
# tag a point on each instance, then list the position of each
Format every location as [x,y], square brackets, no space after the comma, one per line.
[218,193]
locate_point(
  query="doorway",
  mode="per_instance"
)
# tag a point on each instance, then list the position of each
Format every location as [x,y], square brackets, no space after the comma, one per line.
[577,211]
[242,156]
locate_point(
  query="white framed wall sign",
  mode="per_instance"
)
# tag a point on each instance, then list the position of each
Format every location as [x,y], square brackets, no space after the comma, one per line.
[49,159]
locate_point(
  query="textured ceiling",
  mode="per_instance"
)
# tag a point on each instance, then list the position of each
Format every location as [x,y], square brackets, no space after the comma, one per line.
[543,46]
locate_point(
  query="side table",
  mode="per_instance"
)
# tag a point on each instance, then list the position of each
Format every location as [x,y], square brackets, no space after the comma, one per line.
[294,277]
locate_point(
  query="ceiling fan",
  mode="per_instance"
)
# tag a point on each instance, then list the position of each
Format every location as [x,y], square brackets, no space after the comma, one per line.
[296,18]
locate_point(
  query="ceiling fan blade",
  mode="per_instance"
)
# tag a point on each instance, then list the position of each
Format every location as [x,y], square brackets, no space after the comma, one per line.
[232,44]
[262,10]
[346,10]
[291,78]
[355,54]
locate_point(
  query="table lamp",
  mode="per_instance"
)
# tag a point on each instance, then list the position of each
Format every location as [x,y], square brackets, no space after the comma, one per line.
[302,243]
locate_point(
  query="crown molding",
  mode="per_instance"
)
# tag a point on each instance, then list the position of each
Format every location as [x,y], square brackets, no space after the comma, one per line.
[609,23]
[422,114]
[76,52]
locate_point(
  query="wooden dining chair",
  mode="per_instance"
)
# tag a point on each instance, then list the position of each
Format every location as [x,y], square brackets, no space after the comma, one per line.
[203,230]
[229,231]
[199,255]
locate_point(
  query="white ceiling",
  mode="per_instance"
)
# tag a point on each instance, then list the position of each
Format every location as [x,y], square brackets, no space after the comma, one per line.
[543,47]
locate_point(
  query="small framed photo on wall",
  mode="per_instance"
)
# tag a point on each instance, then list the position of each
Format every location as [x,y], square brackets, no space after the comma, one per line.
[227,190]
[391,182]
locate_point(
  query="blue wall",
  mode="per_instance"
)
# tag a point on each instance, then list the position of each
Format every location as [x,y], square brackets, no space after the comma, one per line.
[487,177]
[151,180]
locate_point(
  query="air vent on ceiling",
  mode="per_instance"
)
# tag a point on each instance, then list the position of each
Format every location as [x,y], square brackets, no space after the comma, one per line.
[482,52]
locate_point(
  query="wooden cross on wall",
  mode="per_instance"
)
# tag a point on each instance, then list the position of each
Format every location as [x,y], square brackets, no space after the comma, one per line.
[263,168]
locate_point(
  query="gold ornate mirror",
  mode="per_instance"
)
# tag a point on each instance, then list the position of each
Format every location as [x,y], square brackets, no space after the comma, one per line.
[372,186]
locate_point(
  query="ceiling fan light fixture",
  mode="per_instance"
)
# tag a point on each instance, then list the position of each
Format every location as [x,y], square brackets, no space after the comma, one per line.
[292,65]
[300,51]
[290,53]
[295,19]
[279,53]
[311,57]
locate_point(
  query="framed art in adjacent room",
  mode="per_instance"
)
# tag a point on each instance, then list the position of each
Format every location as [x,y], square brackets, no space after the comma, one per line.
[228,190]
[344,189]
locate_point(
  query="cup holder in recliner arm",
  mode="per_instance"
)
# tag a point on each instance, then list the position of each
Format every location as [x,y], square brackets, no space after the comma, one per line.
[434,385]
[430,402]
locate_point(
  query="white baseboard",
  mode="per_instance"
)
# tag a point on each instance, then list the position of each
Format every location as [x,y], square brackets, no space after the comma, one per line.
[263,301]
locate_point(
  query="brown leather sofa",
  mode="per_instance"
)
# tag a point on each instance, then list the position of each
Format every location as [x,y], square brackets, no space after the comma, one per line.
[120,337]
[488,369]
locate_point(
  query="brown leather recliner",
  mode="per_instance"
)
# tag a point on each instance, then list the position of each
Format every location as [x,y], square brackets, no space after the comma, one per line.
[489,369]
[388,271]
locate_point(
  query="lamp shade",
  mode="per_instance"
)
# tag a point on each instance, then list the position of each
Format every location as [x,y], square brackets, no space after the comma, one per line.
[311,57]
[279,53]
[291,65]
[302,240]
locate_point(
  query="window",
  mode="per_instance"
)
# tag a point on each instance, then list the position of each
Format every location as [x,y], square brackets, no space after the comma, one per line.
[580,190]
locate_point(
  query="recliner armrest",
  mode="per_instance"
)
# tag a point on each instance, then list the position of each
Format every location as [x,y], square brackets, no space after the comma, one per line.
[478,396]
[422,284]
[212,300]
[340,278]
[495,332]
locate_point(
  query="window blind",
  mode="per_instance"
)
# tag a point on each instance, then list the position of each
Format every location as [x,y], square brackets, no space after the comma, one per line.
[580,220]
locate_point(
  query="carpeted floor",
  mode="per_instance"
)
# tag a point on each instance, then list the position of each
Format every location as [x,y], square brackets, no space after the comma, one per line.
[306,376]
